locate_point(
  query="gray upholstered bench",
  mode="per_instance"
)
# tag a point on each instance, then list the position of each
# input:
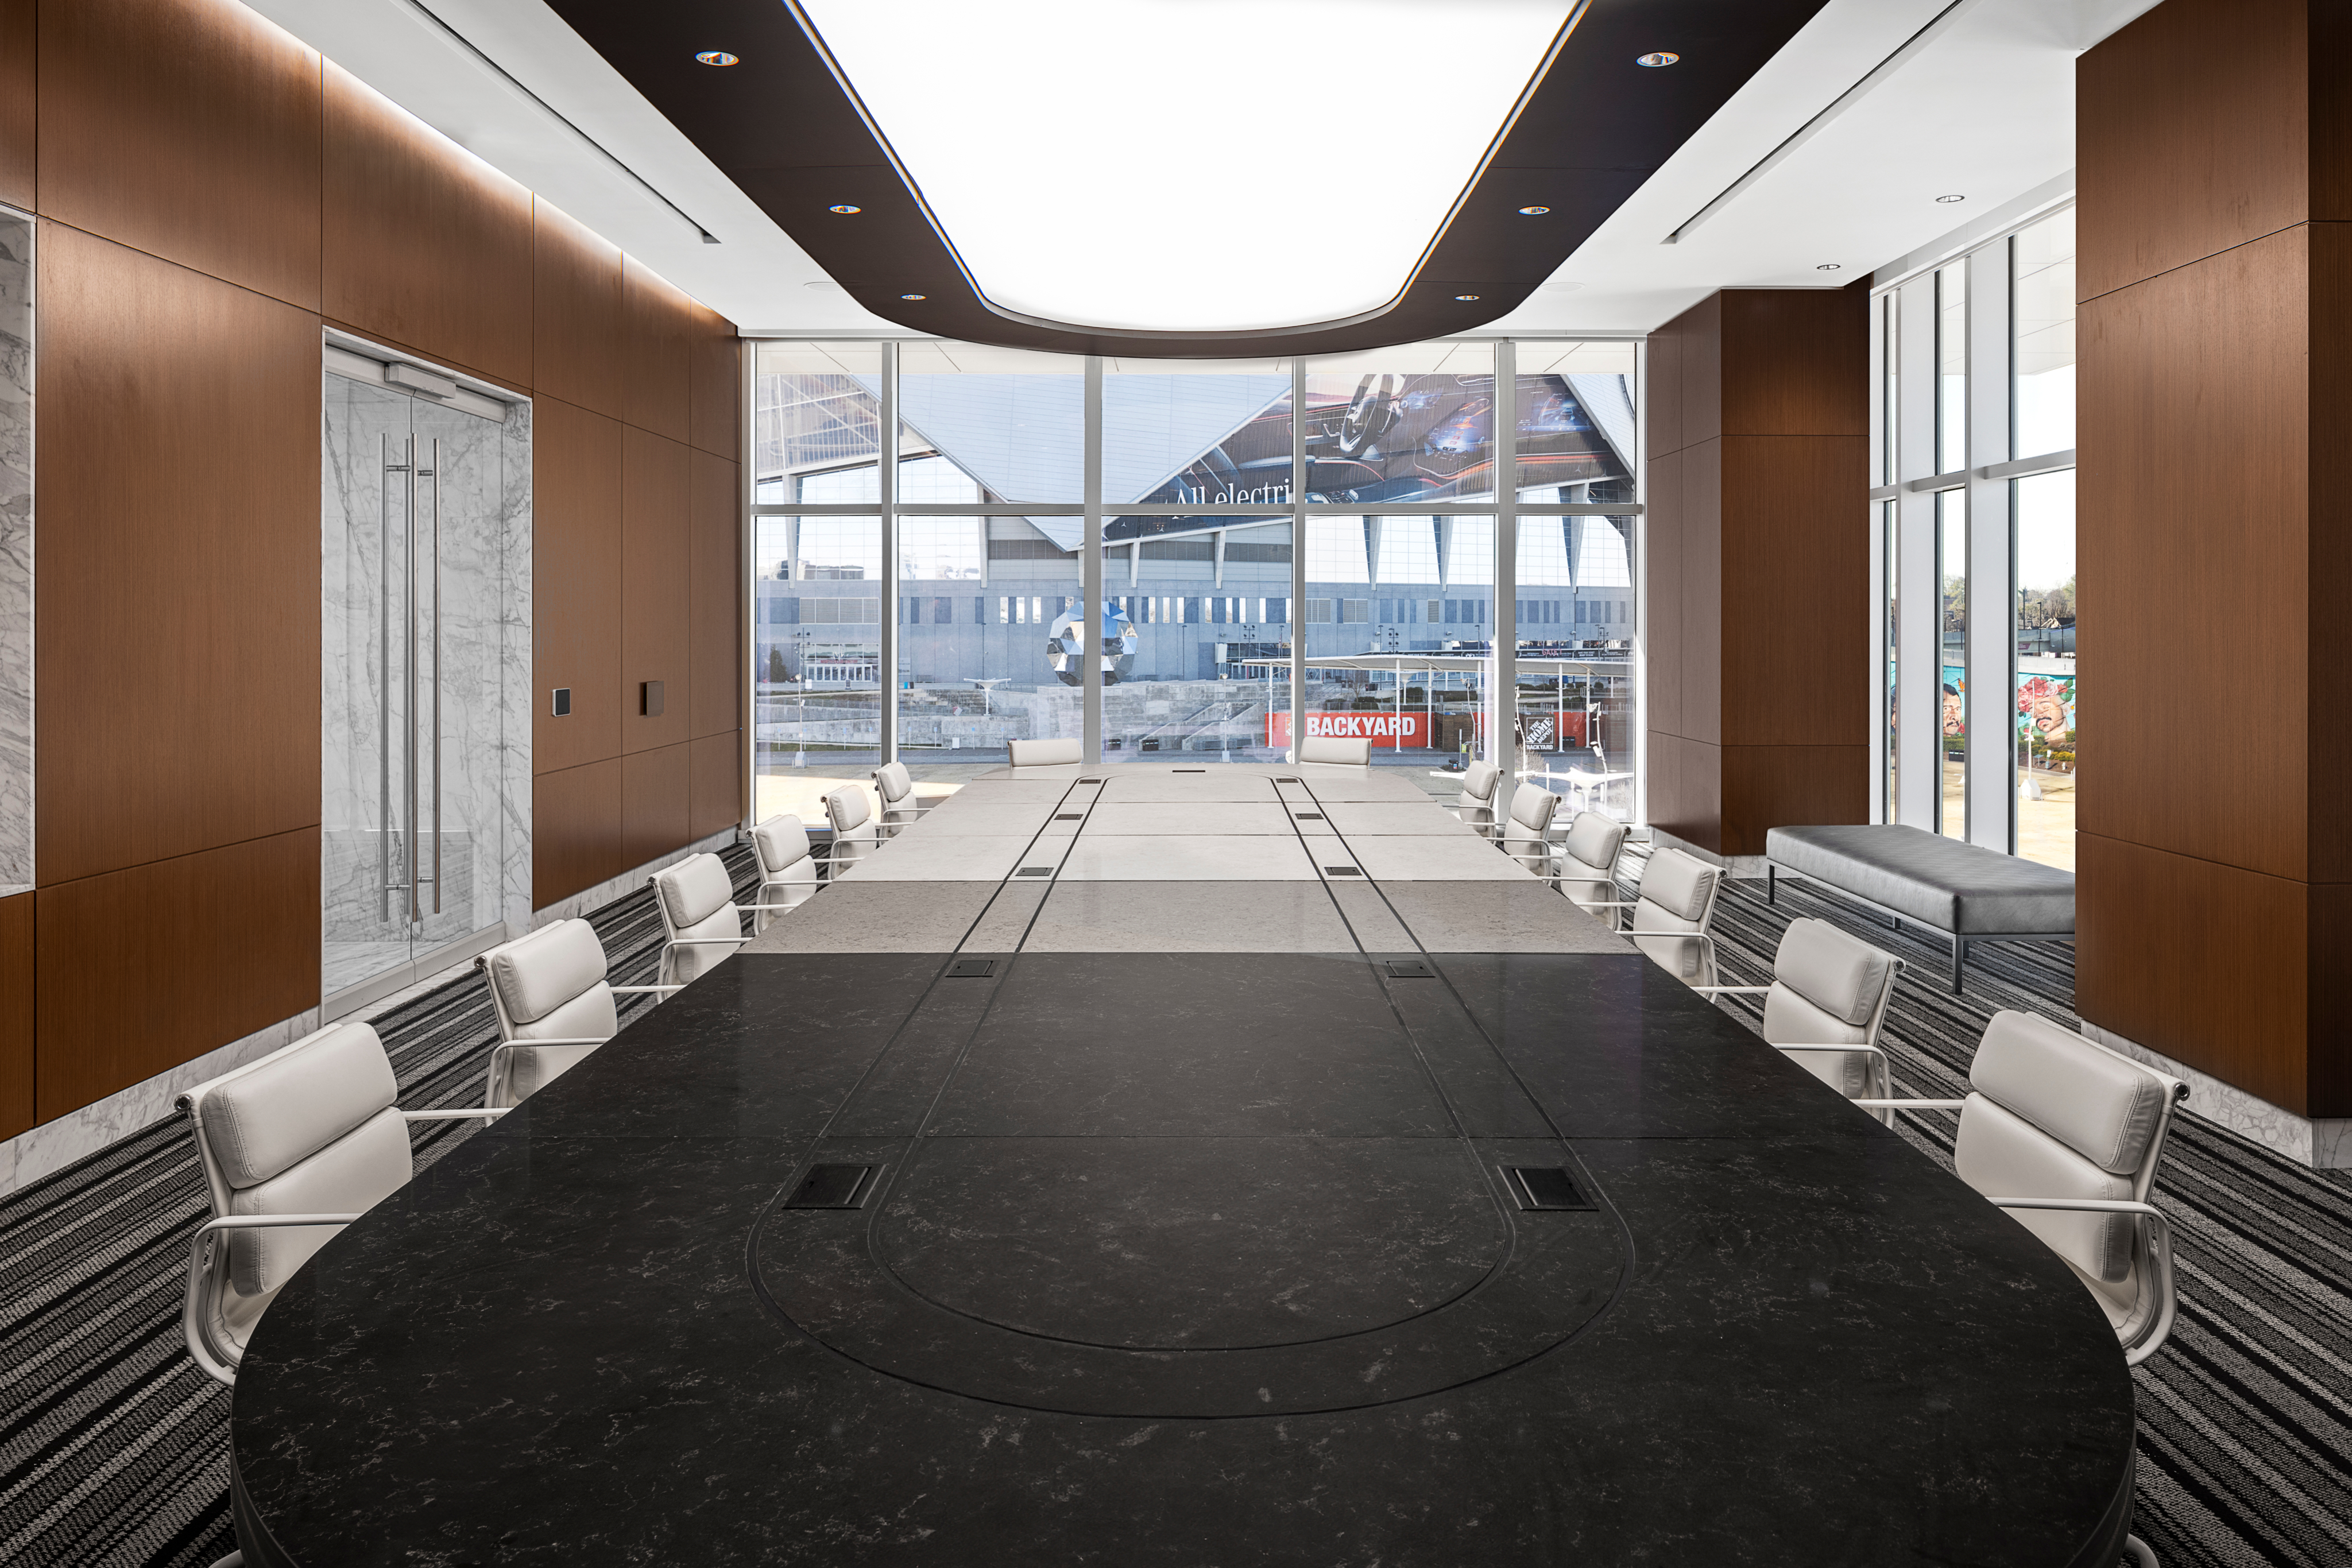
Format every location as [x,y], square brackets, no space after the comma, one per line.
[1967,891]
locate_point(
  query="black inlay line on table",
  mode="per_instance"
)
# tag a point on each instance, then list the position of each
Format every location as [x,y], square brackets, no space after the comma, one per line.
[2245,1416]
[113,1446]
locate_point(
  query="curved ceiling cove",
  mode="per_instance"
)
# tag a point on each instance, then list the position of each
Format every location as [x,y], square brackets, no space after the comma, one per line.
[1095,166]
[1190,178]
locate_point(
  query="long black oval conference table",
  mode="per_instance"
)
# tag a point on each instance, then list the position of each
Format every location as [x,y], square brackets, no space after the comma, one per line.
[1186,1166]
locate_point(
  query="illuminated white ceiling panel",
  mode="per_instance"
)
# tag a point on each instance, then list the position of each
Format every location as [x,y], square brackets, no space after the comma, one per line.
[1189,165]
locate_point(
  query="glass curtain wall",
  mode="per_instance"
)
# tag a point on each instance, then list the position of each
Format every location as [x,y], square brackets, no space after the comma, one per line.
[967,547]
[1983,415]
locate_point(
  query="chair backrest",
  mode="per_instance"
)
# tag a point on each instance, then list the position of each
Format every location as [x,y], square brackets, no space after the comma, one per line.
[1478,784]
[308,1129]
[783,845]
[698,900]
[849,813]
[2051,1114]
[1525,831]
[1044,753]
[1677,894]
[893,784]
[1587,860]
[1830,988]
[1334,748]
[550,983]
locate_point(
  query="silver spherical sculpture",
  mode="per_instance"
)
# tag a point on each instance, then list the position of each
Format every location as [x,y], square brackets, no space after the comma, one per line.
[1065,647]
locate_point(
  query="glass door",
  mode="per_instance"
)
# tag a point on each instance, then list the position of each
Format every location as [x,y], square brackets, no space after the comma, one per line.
[412,590]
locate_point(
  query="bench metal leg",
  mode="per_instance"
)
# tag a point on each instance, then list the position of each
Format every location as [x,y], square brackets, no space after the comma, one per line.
[1771,885]
[1959,961]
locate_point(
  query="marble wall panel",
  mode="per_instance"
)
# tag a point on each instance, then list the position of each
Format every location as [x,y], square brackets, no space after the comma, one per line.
[15,553]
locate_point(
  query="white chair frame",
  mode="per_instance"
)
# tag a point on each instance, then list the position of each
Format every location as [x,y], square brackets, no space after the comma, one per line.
[1881,1076]
[503,1053]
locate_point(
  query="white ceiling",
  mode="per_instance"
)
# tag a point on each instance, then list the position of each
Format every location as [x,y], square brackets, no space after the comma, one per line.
[1985,111]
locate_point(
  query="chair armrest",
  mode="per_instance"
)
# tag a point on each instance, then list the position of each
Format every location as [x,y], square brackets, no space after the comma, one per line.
[635,991]
[705,941]
[486,1112]
[1720,990]
[559,1039]
[1910,1104]
[2160,1258]
[191,1304]
[772,908]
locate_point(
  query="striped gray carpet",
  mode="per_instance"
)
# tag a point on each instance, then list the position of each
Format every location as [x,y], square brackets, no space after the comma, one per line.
[2245,1416]
[112,1446]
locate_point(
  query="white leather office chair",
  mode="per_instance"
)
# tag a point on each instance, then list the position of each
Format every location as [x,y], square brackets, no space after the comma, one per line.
[897,792]
[1334,749]
[1527,829]
[2067,1135]
[1475,804]
[700,919]
[294,1146]
[553,1005]
[787,868]
[1674,908]
[1826,1006]
[855,834]
[1588,865]
[1044,753]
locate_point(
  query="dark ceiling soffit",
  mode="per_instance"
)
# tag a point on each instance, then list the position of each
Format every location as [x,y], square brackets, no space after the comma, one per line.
[1594,128]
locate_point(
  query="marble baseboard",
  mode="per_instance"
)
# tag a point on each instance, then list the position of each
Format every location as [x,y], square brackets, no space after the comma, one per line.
[628,882]
[53,1145]
[2324,1144]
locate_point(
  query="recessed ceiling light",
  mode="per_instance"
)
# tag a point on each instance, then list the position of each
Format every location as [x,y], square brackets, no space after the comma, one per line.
[1533,212]
[717,58]
[1659,58]
[914,297]
[844,207]
[1948,200]
[1466,299]
[1094,246]
[1830,266]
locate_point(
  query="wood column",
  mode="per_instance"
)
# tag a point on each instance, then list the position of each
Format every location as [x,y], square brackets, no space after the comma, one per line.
[2214,835]
[1759,568]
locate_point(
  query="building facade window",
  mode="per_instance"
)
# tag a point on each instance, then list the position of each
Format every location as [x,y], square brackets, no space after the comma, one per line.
[1973,385]
[922,522]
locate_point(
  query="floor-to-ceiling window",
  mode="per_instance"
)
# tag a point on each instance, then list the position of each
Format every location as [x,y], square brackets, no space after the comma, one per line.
[1334,520]
[1974,403]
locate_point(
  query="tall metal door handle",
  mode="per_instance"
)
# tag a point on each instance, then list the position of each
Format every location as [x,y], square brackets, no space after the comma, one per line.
[383,683]
[413,910]
[436,674]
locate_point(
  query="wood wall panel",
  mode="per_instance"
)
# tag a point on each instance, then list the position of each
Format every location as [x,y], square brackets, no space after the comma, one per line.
[19,41]
[188,130]
[716,652]
[575,831]
[17,1109]
[714,783]
[2328,538]
[1702,605]
[655,795]
[1662,538]
[656,553]
[1692,771]
[142,969]
[1663,419]
[1790,551]
[715,393]
[658,327]
[2192,136]
[1767,787]
[1697,392]
[1788,362]
[424,247]
[2209,358]
[575,313]
[575,584]
[178,635]
[2204,963]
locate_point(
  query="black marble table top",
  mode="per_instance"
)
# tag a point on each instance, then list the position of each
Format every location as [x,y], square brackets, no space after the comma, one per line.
[1184,1258]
